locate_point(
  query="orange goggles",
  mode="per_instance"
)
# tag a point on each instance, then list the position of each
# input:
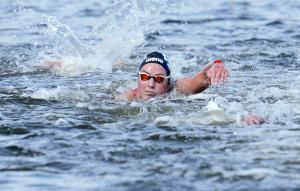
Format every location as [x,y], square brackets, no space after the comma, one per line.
[157,78]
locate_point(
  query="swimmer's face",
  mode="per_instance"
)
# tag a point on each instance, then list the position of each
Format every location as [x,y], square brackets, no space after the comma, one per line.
[151,88]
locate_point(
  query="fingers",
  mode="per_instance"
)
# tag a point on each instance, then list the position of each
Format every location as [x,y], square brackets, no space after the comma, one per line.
[253,120]
[218,77]
[260,120]
[256,121]
[224,76]
[217,73]
[211,74]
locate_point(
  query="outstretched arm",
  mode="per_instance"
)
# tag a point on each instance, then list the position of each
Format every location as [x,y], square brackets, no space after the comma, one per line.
[212,74]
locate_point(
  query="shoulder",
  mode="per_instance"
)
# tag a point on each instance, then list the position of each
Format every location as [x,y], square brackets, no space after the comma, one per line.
[172,84]
[129,95]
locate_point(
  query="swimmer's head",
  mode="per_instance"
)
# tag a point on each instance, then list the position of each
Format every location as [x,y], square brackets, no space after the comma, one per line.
[157,58]
[154,76]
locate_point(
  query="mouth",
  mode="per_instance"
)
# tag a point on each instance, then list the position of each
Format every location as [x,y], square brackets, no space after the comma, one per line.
[150,94]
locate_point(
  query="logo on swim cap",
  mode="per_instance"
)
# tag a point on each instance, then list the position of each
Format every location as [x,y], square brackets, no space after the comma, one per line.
[154,60]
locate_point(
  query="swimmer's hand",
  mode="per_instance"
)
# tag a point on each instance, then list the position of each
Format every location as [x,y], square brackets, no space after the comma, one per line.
[216,72]
[253,119]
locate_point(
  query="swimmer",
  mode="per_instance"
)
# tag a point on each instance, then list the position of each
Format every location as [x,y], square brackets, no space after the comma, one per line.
[155,79]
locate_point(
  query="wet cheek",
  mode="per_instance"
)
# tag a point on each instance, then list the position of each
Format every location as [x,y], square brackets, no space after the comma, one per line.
[162,88]
[141,85]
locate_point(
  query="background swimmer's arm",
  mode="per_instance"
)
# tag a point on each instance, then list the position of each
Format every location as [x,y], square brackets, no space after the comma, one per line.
[212,74]
[51,64]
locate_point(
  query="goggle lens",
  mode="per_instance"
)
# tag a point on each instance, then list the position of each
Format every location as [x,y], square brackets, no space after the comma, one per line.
[159,79]
[144,77]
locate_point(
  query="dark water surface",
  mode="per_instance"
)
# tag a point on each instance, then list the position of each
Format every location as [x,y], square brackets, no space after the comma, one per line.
[63,129]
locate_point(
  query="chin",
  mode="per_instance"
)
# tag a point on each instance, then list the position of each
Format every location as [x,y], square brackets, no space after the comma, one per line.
[149,96]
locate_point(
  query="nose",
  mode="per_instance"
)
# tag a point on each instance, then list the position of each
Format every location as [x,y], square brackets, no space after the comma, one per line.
[151,83]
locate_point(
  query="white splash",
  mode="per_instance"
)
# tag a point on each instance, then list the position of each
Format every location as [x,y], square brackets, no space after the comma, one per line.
[121,31]
[57,94]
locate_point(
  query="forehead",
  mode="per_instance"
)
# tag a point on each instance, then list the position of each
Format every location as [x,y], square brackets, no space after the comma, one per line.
[153,69]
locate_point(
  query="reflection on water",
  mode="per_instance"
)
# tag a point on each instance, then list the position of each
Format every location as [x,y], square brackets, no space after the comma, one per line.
[63,129]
